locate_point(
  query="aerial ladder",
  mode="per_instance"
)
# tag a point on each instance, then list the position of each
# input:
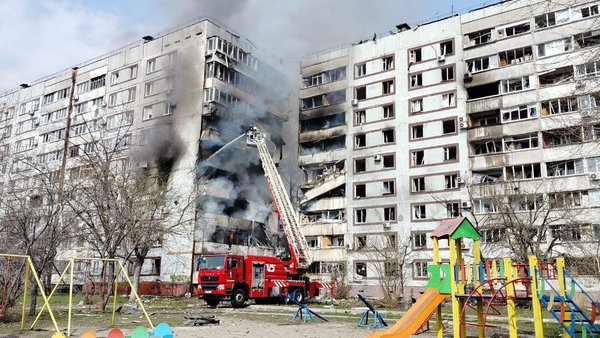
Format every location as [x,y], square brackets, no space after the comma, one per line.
[293,232]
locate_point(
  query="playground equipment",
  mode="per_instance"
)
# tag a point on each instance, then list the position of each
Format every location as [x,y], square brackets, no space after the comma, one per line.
[481,288]
[120,270]
[29,270]
[304,312]
[378,321]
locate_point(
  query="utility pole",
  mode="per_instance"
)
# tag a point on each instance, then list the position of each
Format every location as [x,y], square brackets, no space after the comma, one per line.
[63,165]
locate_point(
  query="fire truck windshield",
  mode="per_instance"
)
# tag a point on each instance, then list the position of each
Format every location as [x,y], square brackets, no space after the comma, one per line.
[212,262]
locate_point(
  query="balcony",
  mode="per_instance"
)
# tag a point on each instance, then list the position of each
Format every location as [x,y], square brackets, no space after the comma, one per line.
[488,161]
[329,254]
[322,134]
[485,132]
[324,227]
[327,184]
[322,157]
[331,203]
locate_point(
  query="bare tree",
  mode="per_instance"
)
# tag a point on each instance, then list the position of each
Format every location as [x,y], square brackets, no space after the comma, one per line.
[33,217]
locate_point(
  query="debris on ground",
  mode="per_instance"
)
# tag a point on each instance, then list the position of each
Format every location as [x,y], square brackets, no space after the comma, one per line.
[201,320]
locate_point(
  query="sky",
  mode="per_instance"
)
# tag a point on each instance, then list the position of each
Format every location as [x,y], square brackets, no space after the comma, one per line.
[41,37]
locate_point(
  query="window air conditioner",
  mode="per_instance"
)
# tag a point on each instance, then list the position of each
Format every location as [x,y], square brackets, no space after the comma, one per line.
[466,204]
[594,177]
[441,58]
[354,102]
[468,77]
[387,225]
[377,158]
[460,180]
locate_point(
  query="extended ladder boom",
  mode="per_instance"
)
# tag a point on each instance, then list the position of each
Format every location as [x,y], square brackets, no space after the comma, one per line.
[284,206]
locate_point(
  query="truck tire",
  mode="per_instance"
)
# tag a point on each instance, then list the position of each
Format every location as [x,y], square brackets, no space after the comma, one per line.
[298,295]
[238,298]
[212,302]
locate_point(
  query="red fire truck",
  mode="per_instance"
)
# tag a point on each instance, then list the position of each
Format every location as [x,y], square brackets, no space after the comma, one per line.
[238,278]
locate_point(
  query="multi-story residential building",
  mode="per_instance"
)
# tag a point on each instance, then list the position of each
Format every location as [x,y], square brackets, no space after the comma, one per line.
[182,95]
[398,132]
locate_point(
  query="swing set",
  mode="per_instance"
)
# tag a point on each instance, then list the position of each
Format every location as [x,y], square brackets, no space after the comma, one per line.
[68,272]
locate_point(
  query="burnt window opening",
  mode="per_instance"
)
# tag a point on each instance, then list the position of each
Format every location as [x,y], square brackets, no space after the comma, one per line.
[488,118]
[388,63]
[361,217]
[323,122]
[360,190]
[489,89]
[487,176]
[388,161]
[556,76]
[418,184]
[360,117]
[388,136]
[478,38]
[449,126]
[588,39]
[514,56]
[361,93]
[360,141]
[360,165]
[330,144]
[417,132]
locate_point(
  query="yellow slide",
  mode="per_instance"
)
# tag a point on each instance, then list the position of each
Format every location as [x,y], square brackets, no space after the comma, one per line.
[416,316]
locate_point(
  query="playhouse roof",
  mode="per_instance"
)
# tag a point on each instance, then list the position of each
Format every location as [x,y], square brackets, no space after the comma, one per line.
[456,228]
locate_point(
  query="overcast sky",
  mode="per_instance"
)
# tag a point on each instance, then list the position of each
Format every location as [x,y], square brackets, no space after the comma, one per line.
[40,37]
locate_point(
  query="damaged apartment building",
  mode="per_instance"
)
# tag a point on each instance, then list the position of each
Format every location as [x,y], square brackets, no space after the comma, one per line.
[182,95]
[430,122]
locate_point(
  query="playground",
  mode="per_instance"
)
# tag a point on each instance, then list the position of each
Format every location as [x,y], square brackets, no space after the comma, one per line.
[464,298]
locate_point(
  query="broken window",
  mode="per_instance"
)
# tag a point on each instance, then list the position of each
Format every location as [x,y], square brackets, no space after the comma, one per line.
[416,80]
[478,38]
[447,47]
[388,188]
[360,190]
[485,90]
[451,181]
[486,147]
[484,206]
[360,141]
[419,212]
[313,242]
[418,184]
[360,70]
[526,202]
[487,176]
[554,47]
[151,66]
[388,136]
[389,214]
[418,157]
[545,20]
[360,116]
[452,210]
[419,240]
[589,69]
[360,165]
[514,85]
[420,270]
[391,269]
[415,55]
[523,172]
[388,63]
[98,81]
[449,126]
[565,136]
[361,269]
[589,101]
[519,113]
[588,11]
[312,102]
[361,217]
[450,153]
[514,56]
[417,131]
[416,105]
[360,93]
[494,235]
[568,199]
[388,161]
[565,168]
[556,76]
[485,118]
[520,142]
[514,29]
[388,111]
[447,73]
[387,87]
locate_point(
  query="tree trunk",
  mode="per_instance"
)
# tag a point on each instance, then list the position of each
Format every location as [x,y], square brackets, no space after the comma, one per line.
[33,299]
[137,271]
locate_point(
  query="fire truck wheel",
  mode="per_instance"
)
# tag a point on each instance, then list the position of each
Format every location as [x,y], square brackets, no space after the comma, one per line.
[238,298]
[212,302]
[299,295]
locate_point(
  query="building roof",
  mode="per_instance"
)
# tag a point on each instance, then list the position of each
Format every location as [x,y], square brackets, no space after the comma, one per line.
[456,228]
